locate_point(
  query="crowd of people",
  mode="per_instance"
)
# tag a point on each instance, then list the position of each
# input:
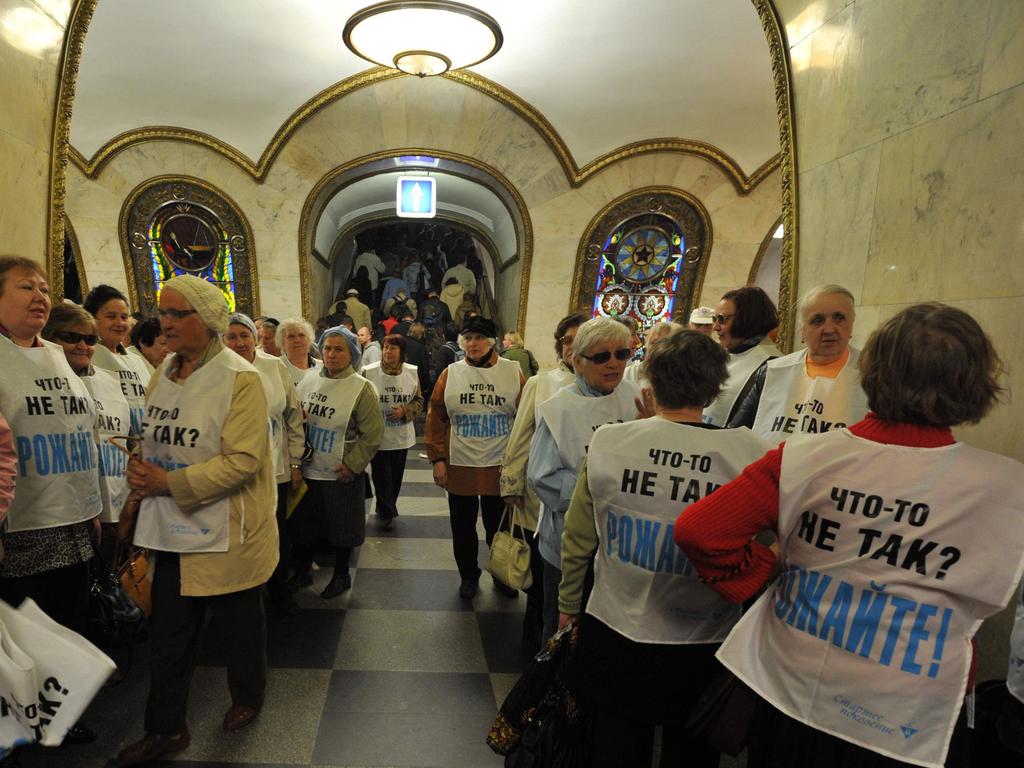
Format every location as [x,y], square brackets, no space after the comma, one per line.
[802,530]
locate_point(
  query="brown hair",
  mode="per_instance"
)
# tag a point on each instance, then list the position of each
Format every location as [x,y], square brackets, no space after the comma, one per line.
[8,263]
[755,312]
[569,321]
[686,369]
[395,340]
[931,365]
[63,316]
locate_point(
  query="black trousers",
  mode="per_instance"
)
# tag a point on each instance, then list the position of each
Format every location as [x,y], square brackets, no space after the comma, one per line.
[62,593]
[175,628]
[278,583]
[388,471]
[462,512]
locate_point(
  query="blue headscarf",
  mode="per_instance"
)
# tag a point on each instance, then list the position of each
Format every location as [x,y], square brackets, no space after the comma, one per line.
[350,338]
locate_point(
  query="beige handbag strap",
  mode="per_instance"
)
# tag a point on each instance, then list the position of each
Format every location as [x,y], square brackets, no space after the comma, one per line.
[514,522]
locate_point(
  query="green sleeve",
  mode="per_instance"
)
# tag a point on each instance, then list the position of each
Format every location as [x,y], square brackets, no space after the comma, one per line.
[579,543]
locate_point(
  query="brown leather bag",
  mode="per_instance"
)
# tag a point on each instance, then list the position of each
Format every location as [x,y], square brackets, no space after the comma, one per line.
[133,573]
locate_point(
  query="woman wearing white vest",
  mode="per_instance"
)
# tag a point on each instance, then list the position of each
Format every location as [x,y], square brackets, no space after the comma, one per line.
[113,325]
[398,388]
[512,482]
[74,330]
[46,542]
[287,442]
[648,638]
[472,408]
[294,336]
[813,390]
[207,511]
[896,543]
[743,320]
[565,425]
[635,373]
[344,428]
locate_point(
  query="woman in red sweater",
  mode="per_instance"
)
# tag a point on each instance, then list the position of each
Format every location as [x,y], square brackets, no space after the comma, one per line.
[895,543]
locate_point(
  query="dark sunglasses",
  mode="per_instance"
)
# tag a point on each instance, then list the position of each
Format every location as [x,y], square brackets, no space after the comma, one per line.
[70,337]
[722,319]
[603,357]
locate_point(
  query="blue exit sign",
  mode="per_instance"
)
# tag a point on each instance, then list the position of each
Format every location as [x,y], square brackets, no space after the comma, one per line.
[416,197]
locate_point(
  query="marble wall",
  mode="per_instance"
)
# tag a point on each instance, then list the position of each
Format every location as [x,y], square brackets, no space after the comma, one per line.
[440,115]
[909,115]
[30,42]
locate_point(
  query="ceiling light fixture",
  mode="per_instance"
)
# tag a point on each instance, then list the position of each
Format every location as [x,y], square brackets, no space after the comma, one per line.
[422,37]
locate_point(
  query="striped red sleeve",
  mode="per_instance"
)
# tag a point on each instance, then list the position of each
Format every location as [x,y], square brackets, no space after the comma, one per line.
[717,533]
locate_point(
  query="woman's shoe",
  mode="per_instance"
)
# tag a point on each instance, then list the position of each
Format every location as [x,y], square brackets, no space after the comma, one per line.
[238,717]
[337,586]
[154,745]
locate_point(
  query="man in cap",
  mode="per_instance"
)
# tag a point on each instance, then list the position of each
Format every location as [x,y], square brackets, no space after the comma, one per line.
[359,312]
[702,320]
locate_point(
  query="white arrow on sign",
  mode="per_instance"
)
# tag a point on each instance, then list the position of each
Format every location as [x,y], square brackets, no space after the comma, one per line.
[417,195]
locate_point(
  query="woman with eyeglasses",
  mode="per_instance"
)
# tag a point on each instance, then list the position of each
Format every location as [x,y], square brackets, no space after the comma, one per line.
[294,337]
[512,482]
[565,426]
[743,319]
[55,512]
[113,326]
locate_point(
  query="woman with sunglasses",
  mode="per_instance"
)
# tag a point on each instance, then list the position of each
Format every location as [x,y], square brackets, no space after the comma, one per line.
[57,500]
[565,425]
[113,326]
[743,320]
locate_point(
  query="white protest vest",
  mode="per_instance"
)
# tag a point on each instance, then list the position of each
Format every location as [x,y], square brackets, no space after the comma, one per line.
[269,368]
[481,405]
[549,382]
[133,376]
[741,368]
[573,417]
[299,374]
[183,427]
[328,405]
[1015,671]
[792,401]
[393,391]
[642,475]
[892,557]
[113,417]
[52,418]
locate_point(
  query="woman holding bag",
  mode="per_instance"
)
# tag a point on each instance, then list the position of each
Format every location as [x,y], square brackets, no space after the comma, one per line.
[207,512]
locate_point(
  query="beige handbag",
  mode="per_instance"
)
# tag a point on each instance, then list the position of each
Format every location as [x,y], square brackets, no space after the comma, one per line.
[510,555]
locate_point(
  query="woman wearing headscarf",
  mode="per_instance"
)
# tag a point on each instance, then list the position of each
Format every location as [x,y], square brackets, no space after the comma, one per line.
[294,337]
[345,427]
[565,425]
[113,325]
[74,330]
[57,501]
[514,488]
[648,638]
[742,321]
[287,440]
[472,408]
[895,543]
[206,483]
[813,390]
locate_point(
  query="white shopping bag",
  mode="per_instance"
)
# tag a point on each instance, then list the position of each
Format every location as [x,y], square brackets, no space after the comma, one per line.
[69,670]
[18,707]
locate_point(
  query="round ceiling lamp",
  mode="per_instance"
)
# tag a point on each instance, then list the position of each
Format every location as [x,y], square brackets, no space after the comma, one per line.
[422,37]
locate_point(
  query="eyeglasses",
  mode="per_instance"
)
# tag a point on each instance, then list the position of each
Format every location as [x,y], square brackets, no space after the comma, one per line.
[177,314]
[566,341]
[603,357]
[722,319]
[70,337]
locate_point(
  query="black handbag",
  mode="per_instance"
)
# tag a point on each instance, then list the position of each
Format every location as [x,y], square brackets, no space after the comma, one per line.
[724,713]
[114,619]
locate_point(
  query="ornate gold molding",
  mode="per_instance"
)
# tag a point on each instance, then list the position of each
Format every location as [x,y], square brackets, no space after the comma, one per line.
[575,175]
[524,240]
[781,67]
[636,194]
[67,80]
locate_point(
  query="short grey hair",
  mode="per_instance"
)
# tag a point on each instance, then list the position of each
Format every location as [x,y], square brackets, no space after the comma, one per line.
[292,323]
[597,331]
[830,289]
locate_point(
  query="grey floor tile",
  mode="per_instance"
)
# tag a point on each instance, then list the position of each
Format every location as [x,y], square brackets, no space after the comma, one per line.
[309,598]
[404,552]
[501,685]
[411,641]
[368,739]
[441,693]
[413,475]
[415,526]
[419,490]
[408,590]
[501,634]
[489,600]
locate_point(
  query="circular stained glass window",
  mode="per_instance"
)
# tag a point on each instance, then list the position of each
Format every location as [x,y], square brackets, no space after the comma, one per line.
[643,254]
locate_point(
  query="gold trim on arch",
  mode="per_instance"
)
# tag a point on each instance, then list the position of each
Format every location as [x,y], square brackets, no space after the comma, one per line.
[524,245]
[60,140]
[575,175]
[588,233]
[76,251]
[126,250]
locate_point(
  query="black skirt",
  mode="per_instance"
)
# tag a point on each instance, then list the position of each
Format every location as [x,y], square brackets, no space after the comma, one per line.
[337,514]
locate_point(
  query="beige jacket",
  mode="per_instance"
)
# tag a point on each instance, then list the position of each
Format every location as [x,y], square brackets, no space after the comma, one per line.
[359,312]
[245,472]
